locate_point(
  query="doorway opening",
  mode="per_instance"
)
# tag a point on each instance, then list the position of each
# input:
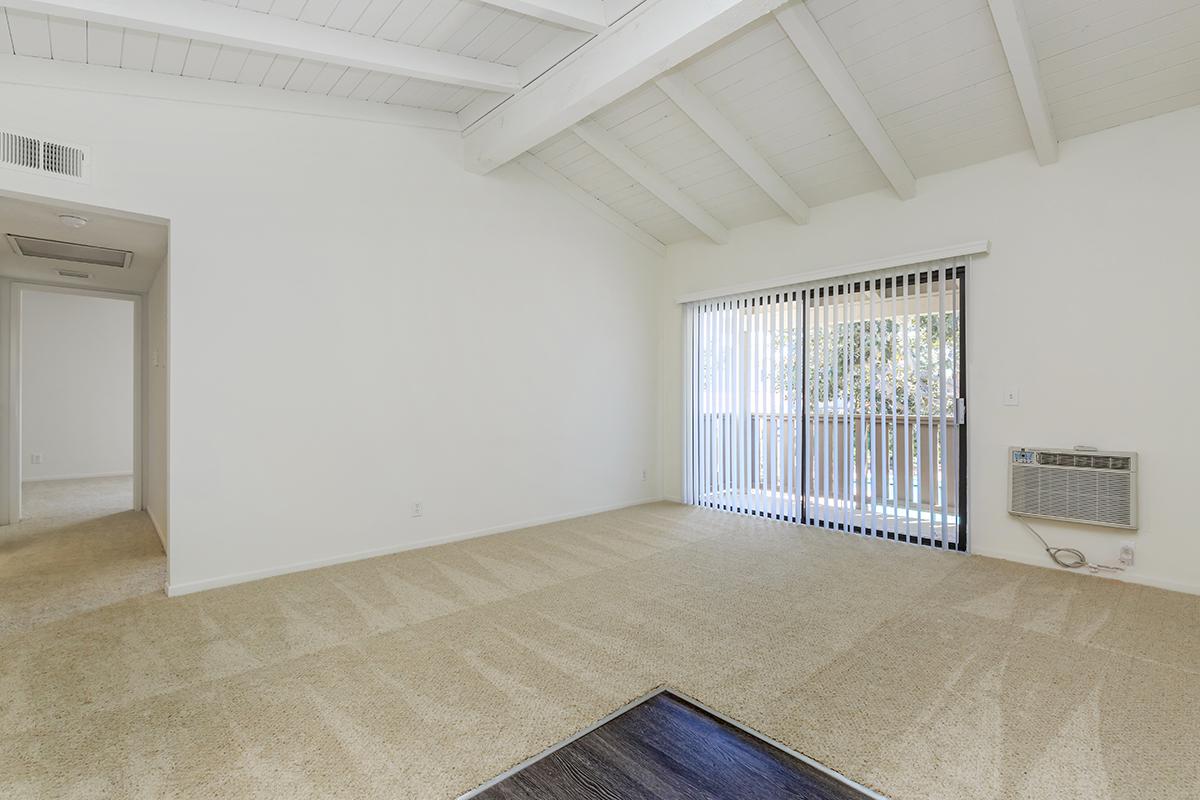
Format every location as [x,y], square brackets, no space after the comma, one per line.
[83,500]
[77,358]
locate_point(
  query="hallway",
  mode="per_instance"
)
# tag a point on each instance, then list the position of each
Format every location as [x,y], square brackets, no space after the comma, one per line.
[79,547]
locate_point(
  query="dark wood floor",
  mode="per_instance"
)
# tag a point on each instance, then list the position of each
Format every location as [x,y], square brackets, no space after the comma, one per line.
[669,749]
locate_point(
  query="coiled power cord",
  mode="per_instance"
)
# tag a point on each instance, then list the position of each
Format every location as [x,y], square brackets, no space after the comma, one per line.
[1069,557]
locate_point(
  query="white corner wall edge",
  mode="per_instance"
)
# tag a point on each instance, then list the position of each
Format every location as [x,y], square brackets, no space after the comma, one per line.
[157,529]
[190,587]
[1138,579]
[29,71]
[952,251]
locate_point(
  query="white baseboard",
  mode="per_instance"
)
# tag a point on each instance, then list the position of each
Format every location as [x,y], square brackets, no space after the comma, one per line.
[1128,577]
[189,587]
[1039,560]
[78,477]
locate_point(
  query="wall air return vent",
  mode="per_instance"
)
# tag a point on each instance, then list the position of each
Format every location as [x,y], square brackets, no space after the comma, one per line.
[42,156]
[1074,486]
[67,251]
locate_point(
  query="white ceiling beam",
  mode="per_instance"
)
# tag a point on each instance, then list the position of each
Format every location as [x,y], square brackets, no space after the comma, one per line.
[42,72]
[582,15]
[1023,64]
[639,47]
[558,180]
[631,164]
[220,24]
[708,118]
[806,34]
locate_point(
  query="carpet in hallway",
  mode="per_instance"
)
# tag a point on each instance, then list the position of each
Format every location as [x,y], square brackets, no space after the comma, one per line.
[78,547]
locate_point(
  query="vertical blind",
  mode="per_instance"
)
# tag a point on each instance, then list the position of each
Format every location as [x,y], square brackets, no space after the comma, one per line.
[837,404]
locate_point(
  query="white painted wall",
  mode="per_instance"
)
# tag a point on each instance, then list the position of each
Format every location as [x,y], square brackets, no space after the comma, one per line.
[76,386]
[9,428]
[155,415]
[1087,304]
[357,324]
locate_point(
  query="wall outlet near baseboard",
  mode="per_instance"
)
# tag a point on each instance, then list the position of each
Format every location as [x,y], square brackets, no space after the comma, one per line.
[1127,553]
[643,476]
[35,458]
[418,510]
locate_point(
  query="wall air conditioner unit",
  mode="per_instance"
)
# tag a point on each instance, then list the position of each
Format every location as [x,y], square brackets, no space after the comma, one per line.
[1085,486]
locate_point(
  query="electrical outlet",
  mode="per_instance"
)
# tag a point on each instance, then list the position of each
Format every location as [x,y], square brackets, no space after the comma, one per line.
[418,510]
[643,476]
[1127,553]
[35,458]
[1012,397]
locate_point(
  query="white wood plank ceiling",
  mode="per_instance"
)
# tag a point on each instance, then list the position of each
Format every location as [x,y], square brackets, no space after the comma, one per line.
[934,73]
[768,107]
[488,32]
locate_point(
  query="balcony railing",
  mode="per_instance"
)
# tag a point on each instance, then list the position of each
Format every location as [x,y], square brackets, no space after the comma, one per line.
[884,467]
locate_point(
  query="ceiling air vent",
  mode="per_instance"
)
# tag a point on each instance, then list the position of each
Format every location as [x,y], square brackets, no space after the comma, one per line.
[68,251]
[33,154]
[1074,486]
[70,273]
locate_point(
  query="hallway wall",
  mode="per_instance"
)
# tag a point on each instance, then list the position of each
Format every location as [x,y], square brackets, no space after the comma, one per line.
[156,411]
[77,386]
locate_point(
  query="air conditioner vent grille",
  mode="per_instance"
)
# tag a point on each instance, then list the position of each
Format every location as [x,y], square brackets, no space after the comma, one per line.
[20,151]
[1083,460]
[32,154]
[62,159]
[1092,488]
[32,247]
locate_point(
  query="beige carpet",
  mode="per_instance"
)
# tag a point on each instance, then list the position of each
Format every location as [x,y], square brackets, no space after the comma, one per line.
[926,675]
[78,547]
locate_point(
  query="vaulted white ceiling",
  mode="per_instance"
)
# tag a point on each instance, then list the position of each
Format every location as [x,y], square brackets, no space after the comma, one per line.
[153,36]
[679,119]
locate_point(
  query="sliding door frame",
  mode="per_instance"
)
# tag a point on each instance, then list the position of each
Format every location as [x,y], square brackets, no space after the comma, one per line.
[695,437]
[948,273]
[963,543]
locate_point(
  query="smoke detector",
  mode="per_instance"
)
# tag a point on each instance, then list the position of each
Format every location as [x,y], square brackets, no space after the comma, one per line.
[73,221]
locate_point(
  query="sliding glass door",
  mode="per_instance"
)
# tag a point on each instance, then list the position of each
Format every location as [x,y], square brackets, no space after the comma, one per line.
[837,404]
